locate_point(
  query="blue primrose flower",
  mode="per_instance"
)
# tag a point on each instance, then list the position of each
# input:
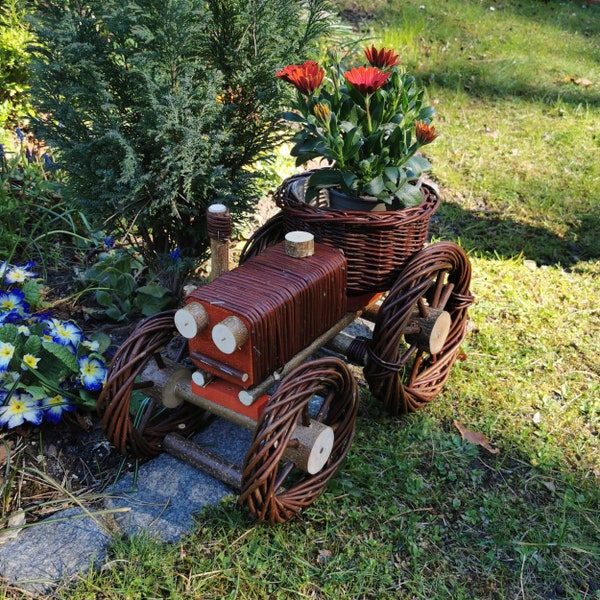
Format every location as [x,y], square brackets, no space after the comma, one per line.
[175,254]
[55,406]
[6,353]
[65,333]
[20,134]
[20,408]
[13,300]
[92,372]
[109,243]
[47,160]
[10,316]
[19,274]
[1,151]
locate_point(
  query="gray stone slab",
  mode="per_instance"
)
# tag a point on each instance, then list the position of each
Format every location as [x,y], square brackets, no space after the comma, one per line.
[168,495]
[55,549]
[169,492]
[227,439]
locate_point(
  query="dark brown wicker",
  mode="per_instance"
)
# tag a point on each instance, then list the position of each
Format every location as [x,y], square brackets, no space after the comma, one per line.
[275,490]
[376,244]
[402,376]
[142,434]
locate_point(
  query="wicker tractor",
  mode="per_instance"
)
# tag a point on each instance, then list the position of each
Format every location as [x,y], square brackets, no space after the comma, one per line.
[242,348]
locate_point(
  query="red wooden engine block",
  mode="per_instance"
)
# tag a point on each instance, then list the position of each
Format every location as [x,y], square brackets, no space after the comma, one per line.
[246,324]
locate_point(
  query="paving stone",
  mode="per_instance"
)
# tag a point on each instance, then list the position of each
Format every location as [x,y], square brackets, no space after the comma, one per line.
[168,495]
[56,548]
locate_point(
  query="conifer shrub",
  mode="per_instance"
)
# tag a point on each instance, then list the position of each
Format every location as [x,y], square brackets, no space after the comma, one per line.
[157,108]
[15,36]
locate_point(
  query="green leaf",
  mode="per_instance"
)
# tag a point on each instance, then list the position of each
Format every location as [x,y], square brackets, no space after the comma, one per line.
[38,392]
[418,164]
[375,186]
[104,298]
[33,292]
[324,178]
[149,305]
[154,290]
[410,195]
[103,340]
[125,285]
[393,174]
[65,356]
[32,346]
[9,333]
[293,117]
[115,314]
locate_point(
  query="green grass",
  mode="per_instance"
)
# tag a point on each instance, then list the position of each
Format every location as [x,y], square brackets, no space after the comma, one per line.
[435,518]
[416,512]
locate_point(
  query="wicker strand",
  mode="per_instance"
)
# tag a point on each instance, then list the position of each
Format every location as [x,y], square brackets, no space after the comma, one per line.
[376,244]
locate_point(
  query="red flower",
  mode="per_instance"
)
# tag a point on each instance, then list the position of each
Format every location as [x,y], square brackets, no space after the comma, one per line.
[384,59]
[307,77]
[366,79]
[425,133]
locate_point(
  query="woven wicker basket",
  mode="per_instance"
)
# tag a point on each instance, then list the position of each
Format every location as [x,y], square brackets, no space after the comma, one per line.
[376,244]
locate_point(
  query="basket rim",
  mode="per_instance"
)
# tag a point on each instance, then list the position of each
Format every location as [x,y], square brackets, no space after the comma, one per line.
[291,204]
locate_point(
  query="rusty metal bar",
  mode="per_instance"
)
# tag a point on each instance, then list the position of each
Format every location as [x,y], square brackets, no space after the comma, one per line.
[213,464]
[249,396]
[220,366]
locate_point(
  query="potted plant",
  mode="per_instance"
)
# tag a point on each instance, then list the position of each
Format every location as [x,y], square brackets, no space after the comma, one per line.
[367,123]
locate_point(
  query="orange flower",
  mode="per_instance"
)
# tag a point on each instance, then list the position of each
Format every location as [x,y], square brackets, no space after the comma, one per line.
[307,77]
[366,79]
[425,133]
[384,59]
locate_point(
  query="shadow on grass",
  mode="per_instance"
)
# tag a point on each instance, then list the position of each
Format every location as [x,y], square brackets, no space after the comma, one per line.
[492,234]
[478,81]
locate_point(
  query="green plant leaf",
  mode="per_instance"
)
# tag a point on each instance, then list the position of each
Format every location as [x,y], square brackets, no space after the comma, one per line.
[418,164]
[104,298]
[125,286]
[375,186]
[410,195]
[154,290]
[33,345]
[9,333]
[103,340]
[115,314]
[38,392]
[65,356]
[149,305]
[33,293]
[293,117]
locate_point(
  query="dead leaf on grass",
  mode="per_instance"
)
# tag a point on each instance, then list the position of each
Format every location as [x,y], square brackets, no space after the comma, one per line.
[475,437]
[324,556]
[580,81]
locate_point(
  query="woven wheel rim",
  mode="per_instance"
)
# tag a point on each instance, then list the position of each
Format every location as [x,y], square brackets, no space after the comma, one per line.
[261,490]
[141,436]
[385,373]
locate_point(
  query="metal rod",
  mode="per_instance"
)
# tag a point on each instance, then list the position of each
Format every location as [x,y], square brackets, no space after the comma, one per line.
[249,396]
[215,465]
[220,366]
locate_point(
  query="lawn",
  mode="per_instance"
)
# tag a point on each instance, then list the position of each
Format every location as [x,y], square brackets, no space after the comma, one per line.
[416,511]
